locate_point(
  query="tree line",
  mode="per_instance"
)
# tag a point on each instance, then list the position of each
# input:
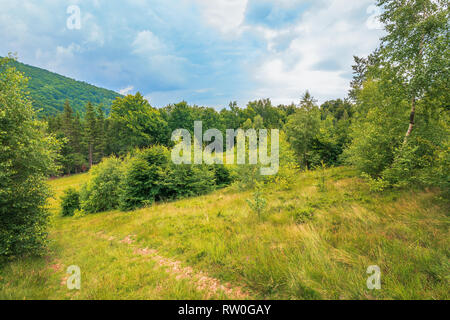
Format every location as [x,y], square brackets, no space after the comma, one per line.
[134,123]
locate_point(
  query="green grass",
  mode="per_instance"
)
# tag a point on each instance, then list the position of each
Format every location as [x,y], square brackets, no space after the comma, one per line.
[309,244]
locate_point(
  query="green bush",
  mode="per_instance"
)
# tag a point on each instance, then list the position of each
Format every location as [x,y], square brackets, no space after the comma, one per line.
[422,161]
[380,150]
[258,203]
[222,175]
[151,176]
[144,177]
[102,192]
[189,180]
[248,176]
[148,175]
[304,215]
[70,202]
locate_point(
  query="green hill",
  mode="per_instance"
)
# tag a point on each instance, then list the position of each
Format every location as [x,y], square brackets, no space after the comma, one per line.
[309,244]
[49,91]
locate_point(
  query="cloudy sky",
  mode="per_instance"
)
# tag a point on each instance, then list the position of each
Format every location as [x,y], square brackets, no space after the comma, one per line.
[207,52]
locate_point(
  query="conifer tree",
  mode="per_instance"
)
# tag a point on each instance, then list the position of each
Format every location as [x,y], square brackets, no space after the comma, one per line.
[90,131]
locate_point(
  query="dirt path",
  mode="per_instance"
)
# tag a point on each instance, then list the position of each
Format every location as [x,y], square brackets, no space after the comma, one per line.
[200,280]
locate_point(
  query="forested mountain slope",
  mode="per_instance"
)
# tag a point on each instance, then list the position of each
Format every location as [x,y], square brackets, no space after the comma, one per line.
[49,91]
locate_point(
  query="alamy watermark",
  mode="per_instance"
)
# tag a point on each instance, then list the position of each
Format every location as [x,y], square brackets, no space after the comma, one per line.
[74,279]
[258,143]
[374,281]
[74,20]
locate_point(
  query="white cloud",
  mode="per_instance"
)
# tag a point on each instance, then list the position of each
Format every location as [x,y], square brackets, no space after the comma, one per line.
[314,53]
[158,58]
[225,15]
[147,43]
[318,53]
[126,90]
[286,86]
[373,22]
[67,52]
[94,34]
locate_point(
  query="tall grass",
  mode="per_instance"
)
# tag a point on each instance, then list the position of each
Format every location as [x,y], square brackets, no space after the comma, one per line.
[278,257]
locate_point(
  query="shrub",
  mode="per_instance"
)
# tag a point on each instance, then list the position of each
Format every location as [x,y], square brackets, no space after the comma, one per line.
[377,130]
[70,202]
[222,175]
[321,177]
[102,192]
[189,180]
[79,214]
[248,176]
[422,160]
[144,177]
[258,203]
[303,215]
[376,184]
[379,147]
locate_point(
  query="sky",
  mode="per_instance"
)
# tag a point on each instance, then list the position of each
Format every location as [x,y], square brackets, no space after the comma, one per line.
[205,52]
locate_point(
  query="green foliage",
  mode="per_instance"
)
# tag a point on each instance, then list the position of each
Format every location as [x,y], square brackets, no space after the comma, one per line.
[415,49]
[422,160]
[378,130]
[180,116]
[263,114]
[333,137]
[222,175]
[301,216]
[403,80]
[70,202]
[302,129]
[49,91]
[27,157]
[378,148]
[376,184]
[189,180]
[258,203]
[319,134]
[90,131]
[338,109]
[135,124]
[386,99]
[404,232]
[247,176]
[144,177]
[321,177]
[151,176]
[102,191]
[84,139]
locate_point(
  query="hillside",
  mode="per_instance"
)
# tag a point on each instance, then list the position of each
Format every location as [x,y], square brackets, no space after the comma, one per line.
[49,91]
[214,246]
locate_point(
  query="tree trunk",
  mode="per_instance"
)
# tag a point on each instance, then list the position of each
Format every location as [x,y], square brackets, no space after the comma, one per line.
[413,102]
[411,120]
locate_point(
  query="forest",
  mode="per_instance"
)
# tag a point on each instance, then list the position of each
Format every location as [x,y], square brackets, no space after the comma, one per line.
[49,91]
[362,179]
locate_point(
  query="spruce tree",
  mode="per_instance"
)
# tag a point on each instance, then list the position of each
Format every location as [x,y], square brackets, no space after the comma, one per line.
[90,131]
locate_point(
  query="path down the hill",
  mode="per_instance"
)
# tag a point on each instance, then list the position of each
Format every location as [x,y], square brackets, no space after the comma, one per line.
[200,280]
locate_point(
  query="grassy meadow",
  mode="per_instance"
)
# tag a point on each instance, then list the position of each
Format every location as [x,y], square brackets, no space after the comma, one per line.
[310,243]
